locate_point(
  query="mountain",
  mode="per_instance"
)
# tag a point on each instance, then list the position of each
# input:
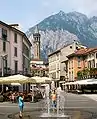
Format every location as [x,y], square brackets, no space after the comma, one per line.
[63,28]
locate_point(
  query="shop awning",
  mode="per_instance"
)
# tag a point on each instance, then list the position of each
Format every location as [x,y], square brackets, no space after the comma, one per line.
[83,82]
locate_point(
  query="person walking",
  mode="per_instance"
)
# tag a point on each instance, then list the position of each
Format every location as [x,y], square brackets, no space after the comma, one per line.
[53,98]
[21,104]
[13,97]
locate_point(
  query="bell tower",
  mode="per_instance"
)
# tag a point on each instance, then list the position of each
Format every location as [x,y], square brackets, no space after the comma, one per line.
[36,43]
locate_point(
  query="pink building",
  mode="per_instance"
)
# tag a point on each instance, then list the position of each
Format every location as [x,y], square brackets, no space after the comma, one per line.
[14,50]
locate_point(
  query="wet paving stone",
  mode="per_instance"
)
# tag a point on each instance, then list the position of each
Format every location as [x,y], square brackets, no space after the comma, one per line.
[71,114]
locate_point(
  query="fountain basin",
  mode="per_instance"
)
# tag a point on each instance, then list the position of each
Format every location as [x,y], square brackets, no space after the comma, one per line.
[54,115]
[68,114]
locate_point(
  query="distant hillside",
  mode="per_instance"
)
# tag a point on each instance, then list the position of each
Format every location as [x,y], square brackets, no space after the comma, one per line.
[62,28]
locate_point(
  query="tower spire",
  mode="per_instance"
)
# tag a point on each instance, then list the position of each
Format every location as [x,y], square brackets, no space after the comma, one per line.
[37,29]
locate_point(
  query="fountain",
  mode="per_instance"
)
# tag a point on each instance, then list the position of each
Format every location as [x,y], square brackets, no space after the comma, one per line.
[54,113]
[45,109]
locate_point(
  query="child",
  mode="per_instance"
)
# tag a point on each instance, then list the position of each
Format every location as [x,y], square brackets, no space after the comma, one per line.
[53,98]
[21,104]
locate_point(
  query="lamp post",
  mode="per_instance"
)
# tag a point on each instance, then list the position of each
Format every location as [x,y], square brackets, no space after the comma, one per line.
[2,64]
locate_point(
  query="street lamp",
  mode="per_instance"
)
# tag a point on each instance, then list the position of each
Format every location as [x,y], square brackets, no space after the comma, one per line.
[4,56]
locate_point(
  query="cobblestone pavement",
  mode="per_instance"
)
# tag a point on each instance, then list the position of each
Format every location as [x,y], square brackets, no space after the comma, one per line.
[76,105]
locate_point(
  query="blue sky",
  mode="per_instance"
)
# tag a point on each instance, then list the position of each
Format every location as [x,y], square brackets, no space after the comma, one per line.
[30,12]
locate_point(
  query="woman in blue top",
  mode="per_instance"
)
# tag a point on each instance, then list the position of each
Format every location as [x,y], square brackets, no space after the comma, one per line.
[21,104]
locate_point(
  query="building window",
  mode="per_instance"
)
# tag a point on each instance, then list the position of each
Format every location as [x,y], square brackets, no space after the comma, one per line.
[70,47]
[5,66]
[57,56]
[15,37]
[72,64]
[89,64]
[4,34]
[4,46]
[57,66]
[96,55]
[69,64]
[37,50]
[58,74]
[76,48]
[85,64]
[72,75]
[25,50]
[54,75]
[89,55]
[15,51]
[93,63]
[66,67]
[79,62]
[16,66]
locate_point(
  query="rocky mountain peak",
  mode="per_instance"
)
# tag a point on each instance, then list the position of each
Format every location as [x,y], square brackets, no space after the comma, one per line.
[93,19]
[61,13]
[62,28]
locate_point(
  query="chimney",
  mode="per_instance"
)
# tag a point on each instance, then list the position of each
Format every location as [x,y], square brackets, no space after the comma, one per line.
[17,26]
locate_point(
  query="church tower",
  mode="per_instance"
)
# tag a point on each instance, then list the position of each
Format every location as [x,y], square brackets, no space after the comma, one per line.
[36,43]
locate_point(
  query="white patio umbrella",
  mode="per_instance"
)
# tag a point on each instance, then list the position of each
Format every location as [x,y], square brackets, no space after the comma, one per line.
[35,80]
[47,79]
[38,79]
[14,79]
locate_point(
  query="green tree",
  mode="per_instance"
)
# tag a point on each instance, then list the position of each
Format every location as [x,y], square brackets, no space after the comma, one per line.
[84,73]
[79,75]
